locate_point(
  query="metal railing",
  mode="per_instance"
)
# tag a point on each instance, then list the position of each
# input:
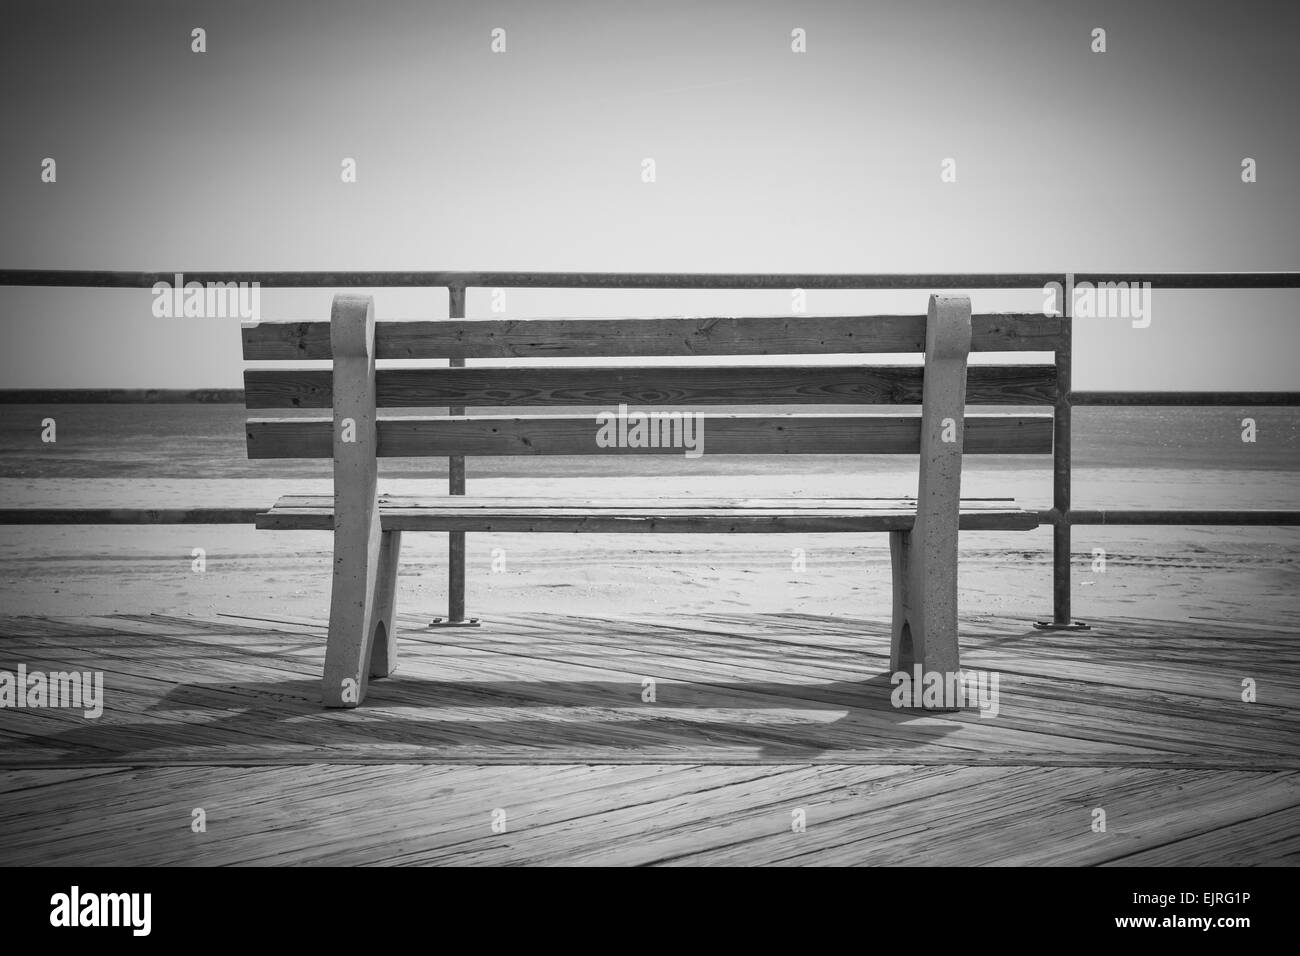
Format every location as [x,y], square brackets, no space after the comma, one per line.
[1061,516]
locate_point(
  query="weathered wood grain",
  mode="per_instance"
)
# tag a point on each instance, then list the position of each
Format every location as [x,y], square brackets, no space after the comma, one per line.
[735,434]
[756,716]
[652,385]
[711,335]
[648,516]
[685,502]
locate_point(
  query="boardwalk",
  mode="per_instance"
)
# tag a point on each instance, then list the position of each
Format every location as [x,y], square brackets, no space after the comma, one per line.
[755,718]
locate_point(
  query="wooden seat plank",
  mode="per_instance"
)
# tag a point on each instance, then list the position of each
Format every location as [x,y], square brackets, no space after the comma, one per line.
[668,515]
[291,502]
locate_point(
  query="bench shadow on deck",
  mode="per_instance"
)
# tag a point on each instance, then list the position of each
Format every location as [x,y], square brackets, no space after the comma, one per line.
[754,717]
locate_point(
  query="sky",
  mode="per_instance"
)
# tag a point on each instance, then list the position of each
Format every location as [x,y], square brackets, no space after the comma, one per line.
[827,160]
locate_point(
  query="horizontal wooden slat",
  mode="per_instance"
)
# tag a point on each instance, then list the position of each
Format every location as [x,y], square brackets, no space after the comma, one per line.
[426,437]
[718,335]
[795,522]
[655,385]
[668,516]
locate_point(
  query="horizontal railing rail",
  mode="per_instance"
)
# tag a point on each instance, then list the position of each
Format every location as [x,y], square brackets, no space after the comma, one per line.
[128,515]
[121,396]
[741,281]
[540,280]
[1206,399]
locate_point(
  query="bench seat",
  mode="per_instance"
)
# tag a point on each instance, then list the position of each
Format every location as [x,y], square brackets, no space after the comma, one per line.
[644,515]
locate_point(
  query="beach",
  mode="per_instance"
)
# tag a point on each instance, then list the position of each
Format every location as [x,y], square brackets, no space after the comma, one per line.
[186,455]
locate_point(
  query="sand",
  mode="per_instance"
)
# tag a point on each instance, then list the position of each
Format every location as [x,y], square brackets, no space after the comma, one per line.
[1243,574]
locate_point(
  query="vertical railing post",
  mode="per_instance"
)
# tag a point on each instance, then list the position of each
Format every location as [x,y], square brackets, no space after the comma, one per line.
[1061,464]
[455,486]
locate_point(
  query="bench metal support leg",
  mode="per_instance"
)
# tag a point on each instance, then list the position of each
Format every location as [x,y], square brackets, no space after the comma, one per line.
[1061,450]
[455,486]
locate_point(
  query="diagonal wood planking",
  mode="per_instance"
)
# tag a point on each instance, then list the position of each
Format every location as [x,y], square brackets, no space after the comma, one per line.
[756,716]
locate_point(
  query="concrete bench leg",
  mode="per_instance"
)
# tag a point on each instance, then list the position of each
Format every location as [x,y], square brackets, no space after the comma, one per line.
[925,558]
[365,558]
[383,654]
[902,647]
[354,610]
[925,612]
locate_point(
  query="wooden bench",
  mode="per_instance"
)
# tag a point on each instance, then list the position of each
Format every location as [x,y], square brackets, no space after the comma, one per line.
[368,525]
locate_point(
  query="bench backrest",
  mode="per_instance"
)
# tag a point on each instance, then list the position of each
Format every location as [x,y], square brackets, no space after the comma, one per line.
[354,341]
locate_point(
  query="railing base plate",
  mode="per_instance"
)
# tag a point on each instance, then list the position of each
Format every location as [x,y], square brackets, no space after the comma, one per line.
[1054,626]
[444,622]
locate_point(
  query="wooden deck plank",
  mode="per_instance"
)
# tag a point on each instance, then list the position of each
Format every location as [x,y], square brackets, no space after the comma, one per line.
[1024,816]
[1269,839]
[756,715]
[461,693]
[397,814]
